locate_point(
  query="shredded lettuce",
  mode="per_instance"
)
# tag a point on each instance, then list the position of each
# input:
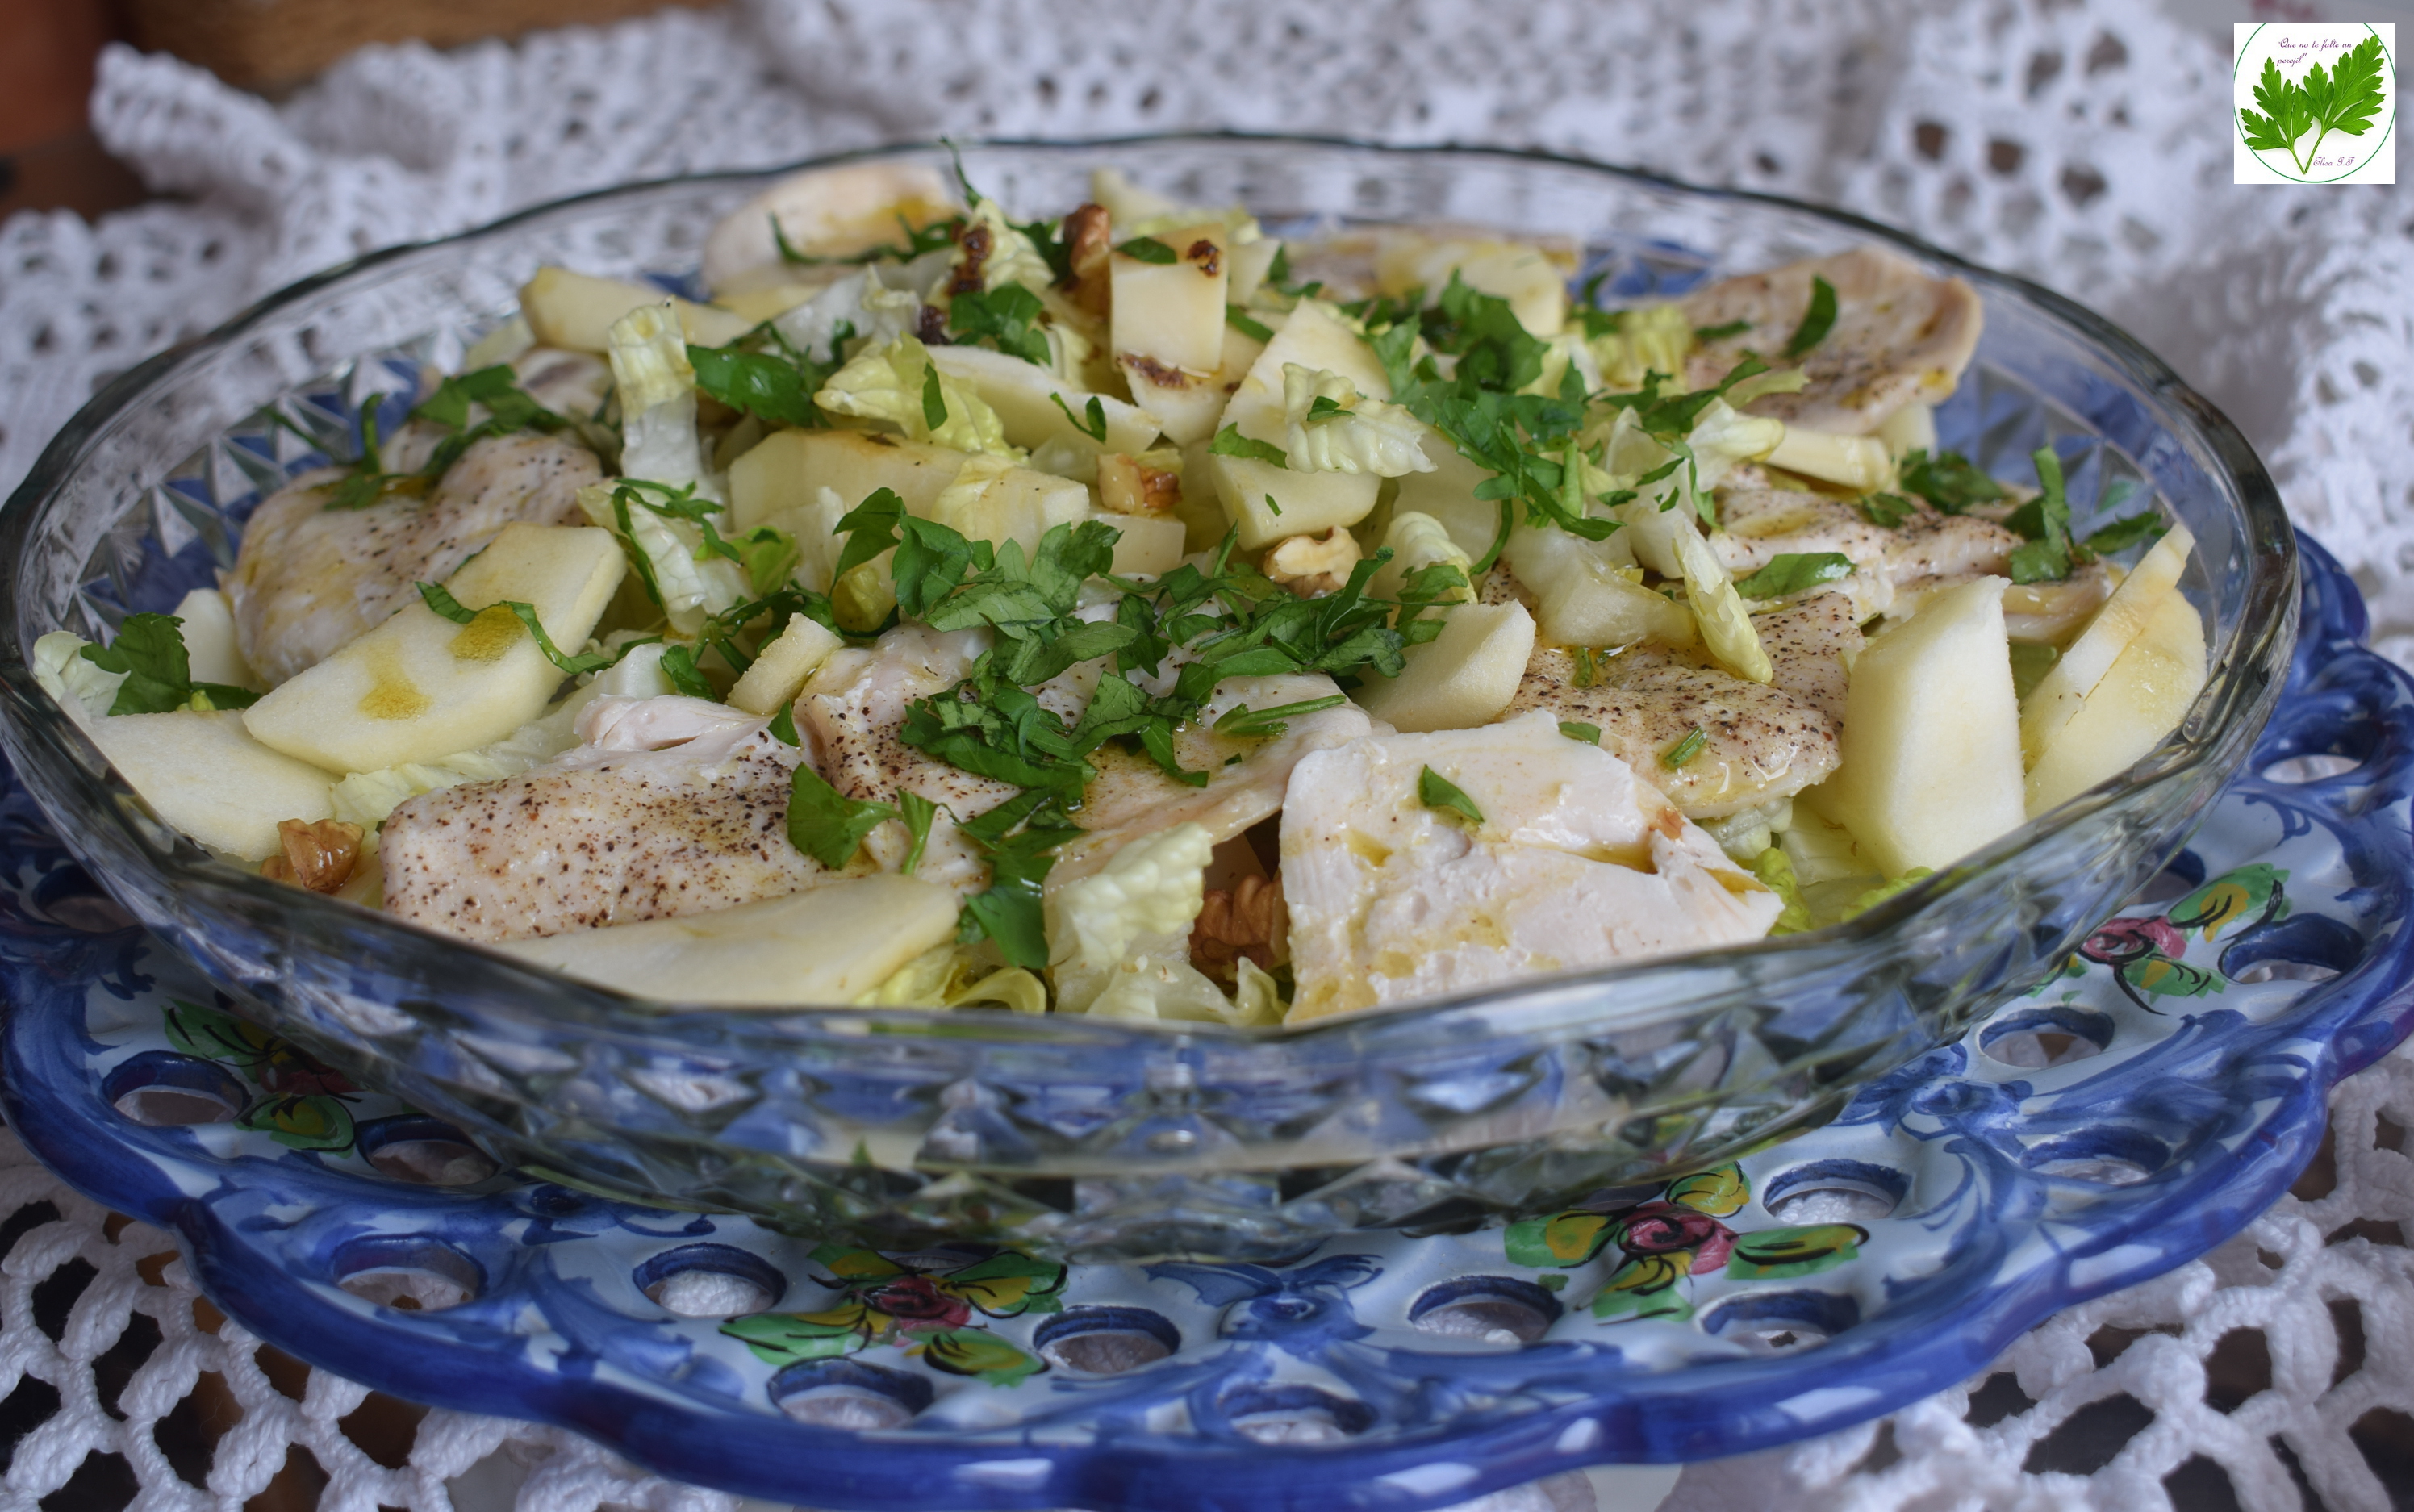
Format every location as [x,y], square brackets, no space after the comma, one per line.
[899,383]
[1154,886]
[691,591]
[858,308]
[1010,258]
[63,672]
[953,976]
[1717,608]
[657,388]
[1649,338]
[1776,873]
[1332,428]
[1418,541]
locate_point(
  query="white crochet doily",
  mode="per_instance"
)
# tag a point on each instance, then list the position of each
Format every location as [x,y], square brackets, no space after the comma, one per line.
[2082,142]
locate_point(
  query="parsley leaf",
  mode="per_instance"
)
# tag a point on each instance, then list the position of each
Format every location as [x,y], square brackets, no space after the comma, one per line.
[1229,441]
[437,598]
[1239,320]
[1885,510]
[1948,480]
[1720,332]
[2342,98]
[1576,729]
[678,665]
[2126,531]
[1436,791]
[1091,421]
[1008,318]
[2045,522]
[1792,572]
[825,825]
[1818,319]
[1019,839]
[778,391]
[150,651]
[934,402]
[918,812]
[1149,250]
[870,528]
[1271,724]
[783,725]
[1685,750]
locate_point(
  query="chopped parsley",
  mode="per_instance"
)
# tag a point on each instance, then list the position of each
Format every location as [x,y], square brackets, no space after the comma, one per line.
[1885,510]
[1792,572]
[934,403]
[2045,522]
[1720,332]
[1149,250]
[1008,318]
[2126,531]
[445,605]
[509,410]
[1241,320]
[1436,791]
[1229,441]
[1947,480]
[1818,319]
[1091,421]
[1577,729]
[825,824]
[150,651]
[763,374]
[1685,750]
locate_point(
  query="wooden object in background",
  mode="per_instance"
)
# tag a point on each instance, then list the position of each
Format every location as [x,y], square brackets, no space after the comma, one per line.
[266,43]
[47,48]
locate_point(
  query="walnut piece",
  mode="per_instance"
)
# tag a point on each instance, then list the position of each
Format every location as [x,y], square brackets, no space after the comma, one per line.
[320,857]
[1087,242]
[1249,921]
[1310,565]
[1128,486]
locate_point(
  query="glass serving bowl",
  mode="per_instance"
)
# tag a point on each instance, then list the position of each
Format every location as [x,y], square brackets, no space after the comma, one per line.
[1068,1134]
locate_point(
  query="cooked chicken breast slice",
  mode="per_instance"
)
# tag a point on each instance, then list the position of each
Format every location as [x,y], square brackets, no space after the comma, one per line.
[309,579]
[1900,335]
[603,836]
[1759,744]
[1574,865]
[854,707]
[1956,546]
[1760,521]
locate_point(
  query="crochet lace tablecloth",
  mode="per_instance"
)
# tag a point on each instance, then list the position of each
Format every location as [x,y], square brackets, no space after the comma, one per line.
[2083,142]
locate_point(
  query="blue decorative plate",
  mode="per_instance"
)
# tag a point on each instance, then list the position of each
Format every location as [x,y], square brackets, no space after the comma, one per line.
[2121,1119]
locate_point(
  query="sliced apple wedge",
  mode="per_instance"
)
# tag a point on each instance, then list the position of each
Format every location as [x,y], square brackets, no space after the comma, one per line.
[781,668]
[1463,676]
[1270,503]
[1931,737]
[1024,395]
[823,947]
[203,774]
[2056,700]
[574,311]
[2138,701]
[419,686]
